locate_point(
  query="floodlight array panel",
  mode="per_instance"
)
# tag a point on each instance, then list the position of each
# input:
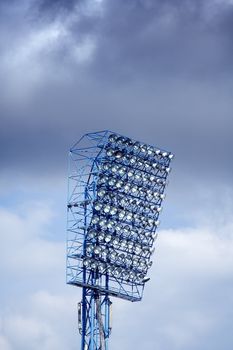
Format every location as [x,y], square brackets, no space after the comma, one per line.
[116,187]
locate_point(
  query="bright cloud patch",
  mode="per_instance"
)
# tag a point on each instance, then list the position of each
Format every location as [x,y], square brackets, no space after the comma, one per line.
[182,307]
[24,250]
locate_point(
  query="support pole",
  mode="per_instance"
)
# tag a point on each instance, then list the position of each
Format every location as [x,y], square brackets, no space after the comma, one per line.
[100,322]
[95,320]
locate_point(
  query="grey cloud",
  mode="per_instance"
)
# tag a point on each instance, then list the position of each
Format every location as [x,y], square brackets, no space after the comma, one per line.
[144,79]
[138,39]
[149,39]
[53,6]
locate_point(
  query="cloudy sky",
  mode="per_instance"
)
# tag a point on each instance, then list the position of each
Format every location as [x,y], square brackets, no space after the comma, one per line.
[160,71]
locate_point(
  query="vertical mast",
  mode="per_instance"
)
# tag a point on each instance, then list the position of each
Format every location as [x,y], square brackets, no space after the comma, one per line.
[95,320]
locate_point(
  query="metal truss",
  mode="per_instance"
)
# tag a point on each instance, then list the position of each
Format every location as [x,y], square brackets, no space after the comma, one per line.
[86,157]
[101,276]
[94,320]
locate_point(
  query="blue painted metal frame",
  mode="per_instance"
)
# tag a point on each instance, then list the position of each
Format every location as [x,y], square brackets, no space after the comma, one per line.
[87,157]
[91,330]
[83,171]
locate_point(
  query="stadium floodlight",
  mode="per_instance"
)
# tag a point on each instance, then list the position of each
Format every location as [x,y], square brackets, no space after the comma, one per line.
[116,189]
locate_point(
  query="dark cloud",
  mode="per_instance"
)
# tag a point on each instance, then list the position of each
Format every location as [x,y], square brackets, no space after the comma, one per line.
[158,71]
[54,5]
[168,38]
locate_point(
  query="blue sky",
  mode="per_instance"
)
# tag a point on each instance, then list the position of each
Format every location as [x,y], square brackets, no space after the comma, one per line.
[156,71]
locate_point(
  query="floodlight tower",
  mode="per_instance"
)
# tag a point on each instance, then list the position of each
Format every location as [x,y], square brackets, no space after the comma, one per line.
[116,187]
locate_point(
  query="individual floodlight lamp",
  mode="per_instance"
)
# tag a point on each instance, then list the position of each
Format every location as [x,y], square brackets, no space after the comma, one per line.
[116,188]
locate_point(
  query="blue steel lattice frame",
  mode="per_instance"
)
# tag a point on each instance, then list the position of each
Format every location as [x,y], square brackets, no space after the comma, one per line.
[116,187]
[95,324]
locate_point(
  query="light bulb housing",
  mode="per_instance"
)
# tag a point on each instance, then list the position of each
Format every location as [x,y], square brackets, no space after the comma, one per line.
[116,190]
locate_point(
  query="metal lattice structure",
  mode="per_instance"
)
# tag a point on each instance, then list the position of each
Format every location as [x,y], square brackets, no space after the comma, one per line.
[116,188]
